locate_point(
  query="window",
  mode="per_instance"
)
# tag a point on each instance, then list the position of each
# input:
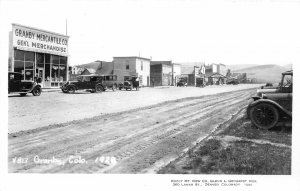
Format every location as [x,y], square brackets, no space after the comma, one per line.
[127,66]
[24,63]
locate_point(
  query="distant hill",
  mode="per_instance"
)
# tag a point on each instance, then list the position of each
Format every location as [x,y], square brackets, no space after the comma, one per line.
[240,66]
[93,65]
[264,73]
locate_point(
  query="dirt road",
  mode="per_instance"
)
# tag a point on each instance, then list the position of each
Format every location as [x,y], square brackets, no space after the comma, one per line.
[56,107]
[136,141]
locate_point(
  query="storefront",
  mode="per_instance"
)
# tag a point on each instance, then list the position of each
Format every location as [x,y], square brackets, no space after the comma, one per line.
[39,54]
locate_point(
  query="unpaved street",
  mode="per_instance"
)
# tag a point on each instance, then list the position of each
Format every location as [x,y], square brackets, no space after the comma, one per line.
[137,141]
[56,107]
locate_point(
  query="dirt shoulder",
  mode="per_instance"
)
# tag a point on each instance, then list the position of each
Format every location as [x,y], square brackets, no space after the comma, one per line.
[238,148]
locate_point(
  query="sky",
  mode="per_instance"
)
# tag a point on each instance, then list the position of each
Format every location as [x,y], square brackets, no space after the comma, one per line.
[220,31]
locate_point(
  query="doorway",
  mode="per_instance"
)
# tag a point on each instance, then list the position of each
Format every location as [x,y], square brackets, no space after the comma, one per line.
[39,73]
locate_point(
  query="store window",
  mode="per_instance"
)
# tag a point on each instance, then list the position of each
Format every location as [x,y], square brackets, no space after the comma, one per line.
[52,69]
[63,68]
[24,63]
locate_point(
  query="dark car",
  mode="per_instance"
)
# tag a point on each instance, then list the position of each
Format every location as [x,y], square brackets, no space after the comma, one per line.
[268,86]
[232,81]
[273,107]
[92,83]
[181,83]
[130,83]
[18,86]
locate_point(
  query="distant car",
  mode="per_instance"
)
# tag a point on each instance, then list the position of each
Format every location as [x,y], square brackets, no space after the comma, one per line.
[273,106]
[268,86]
[109,81]
[18,86]
[129,84]
[181,83]
[92,83]
[233,82]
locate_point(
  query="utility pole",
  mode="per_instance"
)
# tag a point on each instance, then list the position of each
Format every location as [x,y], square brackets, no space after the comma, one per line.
[66,27]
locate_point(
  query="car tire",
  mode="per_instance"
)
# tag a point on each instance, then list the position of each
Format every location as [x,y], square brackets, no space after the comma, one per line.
[71,89]
[36,91]
[264,115]
[99,88]
[23,94]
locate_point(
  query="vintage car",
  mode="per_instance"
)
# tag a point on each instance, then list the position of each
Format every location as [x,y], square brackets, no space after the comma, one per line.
[90,83]
[232,81]
[181,83]
[273,107]
[130,83]
[18,86]
[109,81]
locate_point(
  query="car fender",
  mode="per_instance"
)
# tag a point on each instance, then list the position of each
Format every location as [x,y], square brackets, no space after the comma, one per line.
[35,86]
[282,110]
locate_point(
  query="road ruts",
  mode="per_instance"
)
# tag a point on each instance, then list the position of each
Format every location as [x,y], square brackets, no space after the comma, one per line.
[140,140]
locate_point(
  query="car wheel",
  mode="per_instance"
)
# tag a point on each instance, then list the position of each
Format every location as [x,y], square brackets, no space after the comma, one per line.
[264,115]
[99,89]
[36,91]
[23,94]
[71,89]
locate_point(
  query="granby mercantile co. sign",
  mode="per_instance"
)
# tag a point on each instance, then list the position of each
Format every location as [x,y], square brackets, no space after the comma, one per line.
[30,39]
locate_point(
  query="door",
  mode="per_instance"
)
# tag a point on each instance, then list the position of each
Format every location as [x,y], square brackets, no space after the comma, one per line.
[39,73]
[14,82]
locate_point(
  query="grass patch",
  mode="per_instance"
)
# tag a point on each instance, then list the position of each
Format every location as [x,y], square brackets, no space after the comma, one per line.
[240,156]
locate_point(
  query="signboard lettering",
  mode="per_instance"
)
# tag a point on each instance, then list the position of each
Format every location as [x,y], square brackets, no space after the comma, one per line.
[39,41]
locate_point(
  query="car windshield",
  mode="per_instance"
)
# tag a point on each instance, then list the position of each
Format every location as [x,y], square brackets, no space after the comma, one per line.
[83,78]
[288,80]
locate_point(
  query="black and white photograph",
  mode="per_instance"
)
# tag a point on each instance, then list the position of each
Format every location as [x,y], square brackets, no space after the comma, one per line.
[149,94]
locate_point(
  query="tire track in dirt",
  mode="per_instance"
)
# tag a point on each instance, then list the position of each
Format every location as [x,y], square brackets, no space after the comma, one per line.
[112,139]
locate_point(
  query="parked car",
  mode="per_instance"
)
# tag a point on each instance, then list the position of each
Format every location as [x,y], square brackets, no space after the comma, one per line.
[109,81]
[232,81]
[92,83]
[18,86]
[181,83]
[273,107]
[268,86]
[131,82]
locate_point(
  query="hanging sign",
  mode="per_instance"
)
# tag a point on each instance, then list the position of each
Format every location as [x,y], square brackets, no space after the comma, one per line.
[30,39]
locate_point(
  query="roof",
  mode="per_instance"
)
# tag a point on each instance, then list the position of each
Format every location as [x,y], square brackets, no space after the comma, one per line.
[105,68]
[192,63]
[216,75]
[161,62]
[90,75]
[91,70]
[94,65]
[290,72]
[135,57]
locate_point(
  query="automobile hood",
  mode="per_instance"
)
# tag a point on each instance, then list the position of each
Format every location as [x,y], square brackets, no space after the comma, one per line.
[261,91]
